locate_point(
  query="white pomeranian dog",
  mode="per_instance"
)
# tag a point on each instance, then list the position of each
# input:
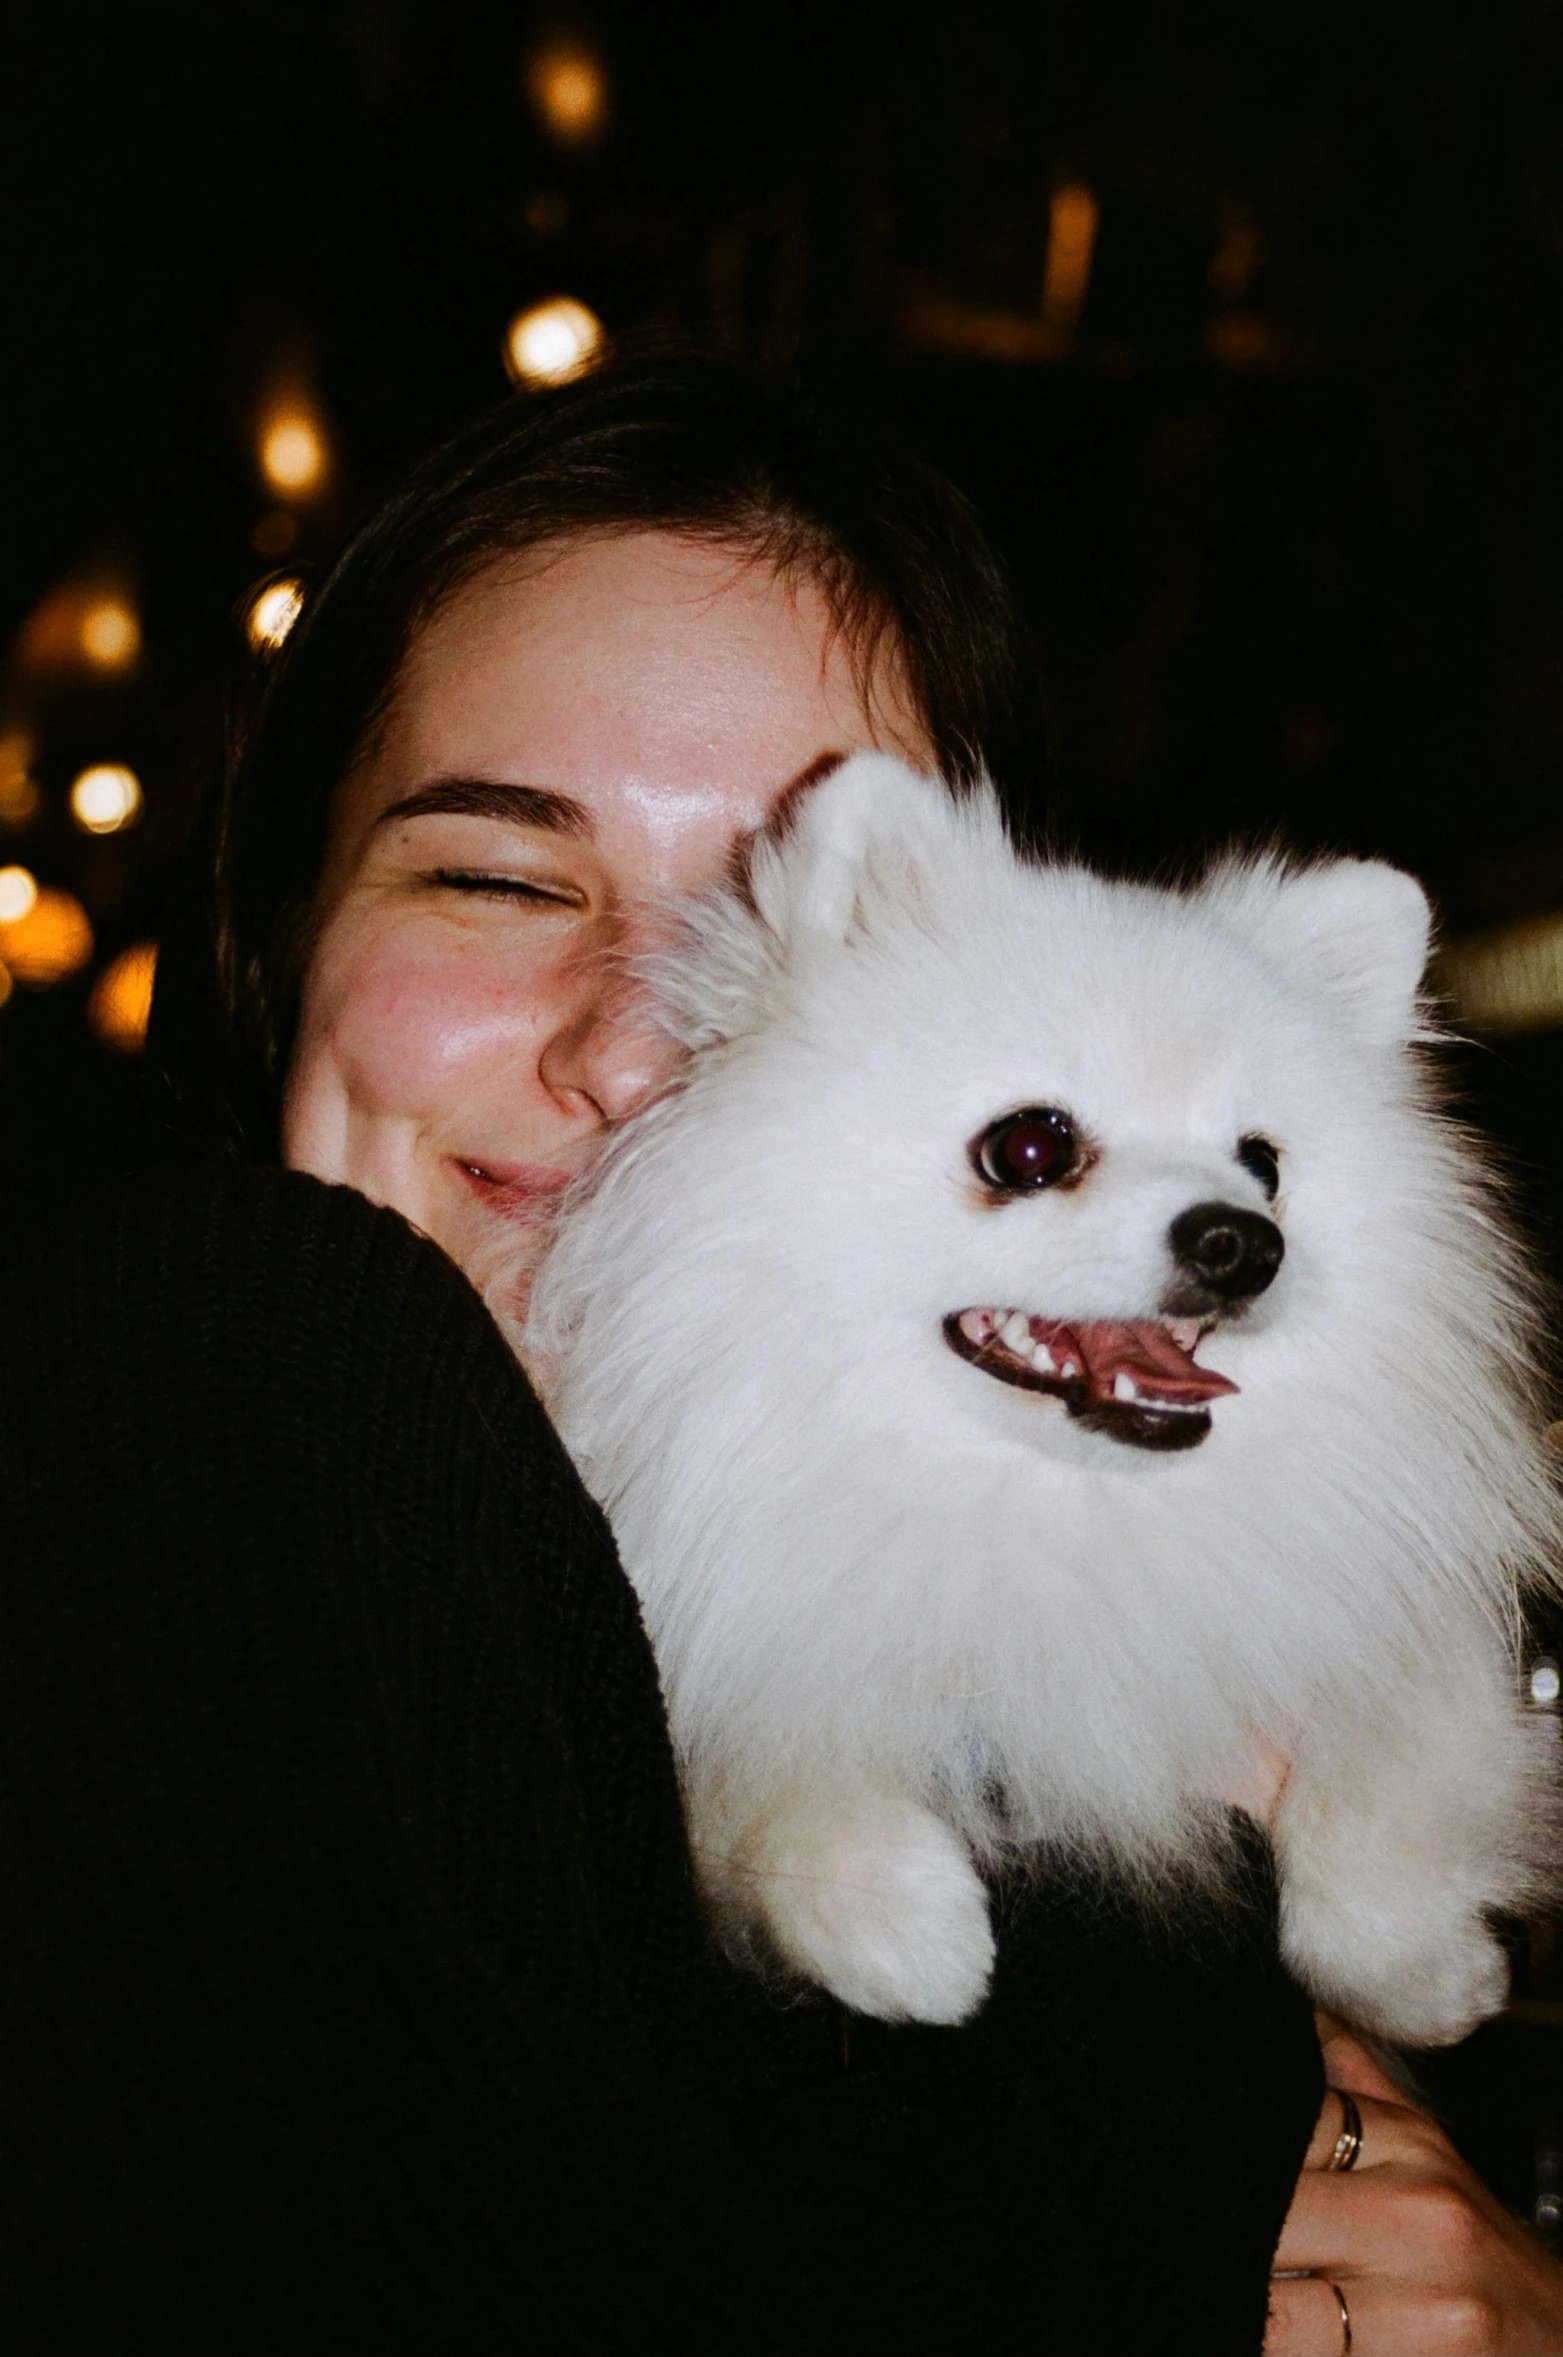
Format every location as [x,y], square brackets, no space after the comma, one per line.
[1045,1353]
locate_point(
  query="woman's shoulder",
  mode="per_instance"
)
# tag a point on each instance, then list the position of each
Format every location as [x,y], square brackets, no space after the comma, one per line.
[233,1248]
[221,1227]
[264,1303]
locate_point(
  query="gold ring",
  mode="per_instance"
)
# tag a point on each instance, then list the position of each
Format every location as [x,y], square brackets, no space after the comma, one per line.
[1345,2320]
[1348,2144]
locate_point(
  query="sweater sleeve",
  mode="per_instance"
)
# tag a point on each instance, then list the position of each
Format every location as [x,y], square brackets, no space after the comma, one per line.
[312,2032]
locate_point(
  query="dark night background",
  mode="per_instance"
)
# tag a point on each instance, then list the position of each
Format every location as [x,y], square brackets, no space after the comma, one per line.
[1285,501]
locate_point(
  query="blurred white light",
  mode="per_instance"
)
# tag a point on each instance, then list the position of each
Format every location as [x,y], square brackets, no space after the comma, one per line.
[18,894]
[106,798]
[1546,1682]
[552,342]
[273,612]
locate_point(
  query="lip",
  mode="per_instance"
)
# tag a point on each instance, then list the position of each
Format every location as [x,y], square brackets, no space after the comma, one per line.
[1163,1404]
[516,1190]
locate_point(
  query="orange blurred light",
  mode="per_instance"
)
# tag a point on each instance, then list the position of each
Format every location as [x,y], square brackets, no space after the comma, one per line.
[48,940]
[18,794]
[552,342]
[110,634]
[78,625]
[275,534]
[1071,245]
[106,798]
[1239,252]
[292,448]
[570,91]
[272,614]
[121,998]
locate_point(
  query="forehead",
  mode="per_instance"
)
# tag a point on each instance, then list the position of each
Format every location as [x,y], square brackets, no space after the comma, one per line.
[637,671]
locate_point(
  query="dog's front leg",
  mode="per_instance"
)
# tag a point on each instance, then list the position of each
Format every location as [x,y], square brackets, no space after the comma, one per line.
[1395,1839]
[859,1888]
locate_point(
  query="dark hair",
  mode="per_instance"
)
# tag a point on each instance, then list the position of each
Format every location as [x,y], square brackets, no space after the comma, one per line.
[687,444]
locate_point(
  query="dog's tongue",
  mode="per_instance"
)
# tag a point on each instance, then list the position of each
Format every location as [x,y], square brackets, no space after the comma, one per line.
[1144,1353]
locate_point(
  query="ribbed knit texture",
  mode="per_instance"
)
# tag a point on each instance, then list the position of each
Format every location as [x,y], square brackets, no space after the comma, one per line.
[353,1990]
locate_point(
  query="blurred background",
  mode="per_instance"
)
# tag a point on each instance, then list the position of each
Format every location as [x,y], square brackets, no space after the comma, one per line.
[1243,327]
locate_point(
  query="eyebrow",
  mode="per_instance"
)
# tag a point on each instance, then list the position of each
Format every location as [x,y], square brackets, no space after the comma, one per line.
[483,797]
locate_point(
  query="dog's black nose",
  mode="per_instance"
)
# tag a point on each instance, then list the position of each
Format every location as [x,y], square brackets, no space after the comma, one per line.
[1232,1254]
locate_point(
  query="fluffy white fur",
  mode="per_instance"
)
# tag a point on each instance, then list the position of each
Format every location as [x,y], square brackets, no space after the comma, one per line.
[908,1616]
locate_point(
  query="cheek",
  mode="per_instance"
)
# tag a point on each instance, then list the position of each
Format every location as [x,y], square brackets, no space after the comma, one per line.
[412,1018]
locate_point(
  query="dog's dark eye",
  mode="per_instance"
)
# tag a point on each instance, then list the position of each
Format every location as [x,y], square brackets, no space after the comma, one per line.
[1262,1161]
[1032,1148]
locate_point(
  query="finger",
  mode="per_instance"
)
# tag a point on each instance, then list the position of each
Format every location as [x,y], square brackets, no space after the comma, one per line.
[1390,2132]
[1390,2317]
[1346,2064]
[1305,2320]
[1435,2223]
[1329,2128]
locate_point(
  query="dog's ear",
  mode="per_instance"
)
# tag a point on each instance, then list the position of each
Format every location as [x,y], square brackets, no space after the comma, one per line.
[1354,932]
[807,872]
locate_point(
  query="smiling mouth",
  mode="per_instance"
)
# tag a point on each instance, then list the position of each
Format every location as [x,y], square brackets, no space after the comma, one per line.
[1133,1380]
[517,1190]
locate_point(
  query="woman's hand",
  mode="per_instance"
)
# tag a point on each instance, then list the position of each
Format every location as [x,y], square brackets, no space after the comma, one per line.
[1425,2260]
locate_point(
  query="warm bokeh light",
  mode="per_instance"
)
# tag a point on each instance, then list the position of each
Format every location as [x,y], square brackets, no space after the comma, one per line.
[569,90]
[1252,341]
[110,634]
[121,998]
[292,448]
[18,793]
[1239,251]
[552,342]
[276,532]
[272,614]
[80,625]
[49,940]
[6,984]
[1071,244]
[547,212]
[18,894]
[106,798]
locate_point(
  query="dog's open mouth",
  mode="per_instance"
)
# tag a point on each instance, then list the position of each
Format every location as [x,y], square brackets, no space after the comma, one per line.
[1135,1380]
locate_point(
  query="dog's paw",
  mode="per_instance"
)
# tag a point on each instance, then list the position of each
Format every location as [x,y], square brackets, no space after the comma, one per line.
[1427,1983]
[876,1899]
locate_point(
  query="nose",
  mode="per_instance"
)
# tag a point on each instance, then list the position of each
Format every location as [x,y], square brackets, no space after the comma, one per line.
[607,1061]
[1229,1253]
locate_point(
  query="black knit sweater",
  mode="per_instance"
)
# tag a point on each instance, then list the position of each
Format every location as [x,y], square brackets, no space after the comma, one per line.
[353,1991]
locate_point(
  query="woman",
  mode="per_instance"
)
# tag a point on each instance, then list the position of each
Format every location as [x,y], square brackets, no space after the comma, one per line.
[353,1984]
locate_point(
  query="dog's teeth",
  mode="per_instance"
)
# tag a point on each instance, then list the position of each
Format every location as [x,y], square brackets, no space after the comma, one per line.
[1069,1370]
[1125,1387]
[1016,1333]
[1043,1361]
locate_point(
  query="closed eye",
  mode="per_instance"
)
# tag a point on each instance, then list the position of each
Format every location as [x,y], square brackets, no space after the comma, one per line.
[488,887]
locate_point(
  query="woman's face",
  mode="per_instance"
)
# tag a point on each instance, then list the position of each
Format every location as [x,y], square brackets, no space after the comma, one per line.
[569,738]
